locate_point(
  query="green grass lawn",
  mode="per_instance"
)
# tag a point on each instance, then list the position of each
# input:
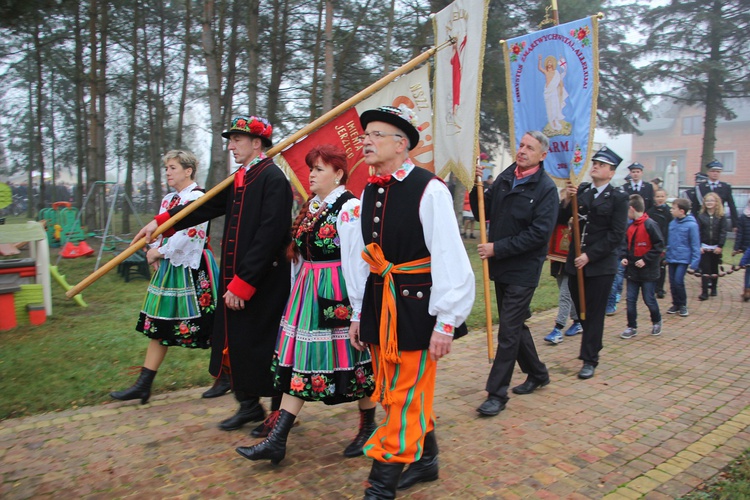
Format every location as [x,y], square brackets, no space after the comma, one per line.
[81,354]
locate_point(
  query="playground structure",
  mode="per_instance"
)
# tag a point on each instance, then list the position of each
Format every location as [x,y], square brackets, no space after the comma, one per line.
[72,235]
[62,224]
[25,286]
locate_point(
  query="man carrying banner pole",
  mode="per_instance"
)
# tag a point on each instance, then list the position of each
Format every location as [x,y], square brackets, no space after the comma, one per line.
[522,209]
[603,213]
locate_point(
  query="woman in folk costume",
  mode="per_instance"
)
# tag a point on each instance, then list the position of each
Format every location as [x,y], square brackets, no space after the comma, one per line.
[181,298]
[314,359]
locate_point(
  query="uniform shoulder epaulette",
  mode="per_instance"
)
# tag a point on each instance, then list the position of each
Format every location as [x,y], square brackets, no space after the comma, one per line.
[584,186]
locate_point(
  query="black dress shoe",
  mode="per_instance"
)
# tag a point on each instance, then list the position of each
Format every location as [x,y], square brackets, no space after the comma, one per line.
[714,293]
[491,407]
[249,411]
[529,386]
[221,386]
[587,371]
[703,296]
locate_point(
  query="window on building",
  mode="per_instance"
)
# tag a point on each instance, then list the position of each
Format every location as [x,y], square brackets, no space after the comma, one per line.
[692,125]
[727,159]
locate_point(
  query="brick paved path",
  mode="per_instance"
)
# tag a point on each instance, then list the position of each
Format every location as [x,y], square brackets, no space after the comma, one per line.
[662,415]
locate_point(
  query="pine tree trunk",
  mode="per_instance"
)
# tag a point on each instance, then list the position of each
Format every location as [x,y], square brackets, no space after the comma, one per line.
[253,56]
[217,168]
[185,73]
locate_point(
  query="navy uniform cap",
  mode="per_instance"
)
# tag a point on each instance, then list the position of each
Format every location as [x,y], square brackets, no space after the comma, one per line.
[635,166]
[606,155]
[715,165]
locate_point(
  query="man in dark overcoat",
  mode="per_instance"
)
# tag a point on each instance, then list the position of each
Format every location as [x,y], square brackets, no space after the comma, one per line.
[254,277]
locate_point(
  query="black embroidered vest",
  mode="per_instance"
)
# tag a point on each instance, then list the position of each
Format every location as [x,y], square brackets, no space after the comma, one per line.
[390,218]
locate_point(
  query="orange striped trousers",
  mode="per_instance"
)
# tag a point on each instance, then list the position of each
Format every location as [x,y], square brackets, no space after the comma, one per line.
[400,437]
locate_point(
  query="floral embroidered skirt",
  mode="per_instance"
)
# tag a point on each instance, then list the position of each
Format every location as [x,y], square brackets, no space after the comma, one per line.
[314,360]
[180,304]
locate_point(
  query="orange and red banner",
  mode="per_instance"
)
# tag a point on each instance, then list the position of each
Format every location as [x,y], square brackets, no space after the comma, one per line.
[412,89]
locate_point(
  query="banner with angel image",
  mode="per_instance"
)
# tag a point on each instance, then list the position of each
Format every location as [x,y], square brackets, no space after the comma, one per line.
[553,81]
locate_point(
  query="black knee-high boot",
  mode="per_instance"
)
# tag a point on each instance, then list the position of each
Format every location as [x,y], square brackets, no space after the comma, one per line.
[704,288]
[383,480]
[426,468]
[264,429]
[366,428]
[140,390]
[272,448]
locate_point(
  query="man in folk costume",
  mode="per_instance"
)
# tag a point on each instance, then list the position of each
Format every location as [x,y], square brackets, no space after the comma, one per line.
[254,271]
[419,288]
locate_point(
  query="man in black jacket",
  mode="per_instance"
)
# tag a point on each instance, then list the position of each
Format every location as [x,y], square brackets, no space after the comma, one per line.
[637,186]
[713,184]
[522,208]
[603,214]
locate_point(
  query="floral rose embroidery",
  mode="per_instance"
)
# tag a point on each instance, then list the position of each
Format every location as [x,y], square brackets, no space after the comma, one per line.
[184,328]
[241,124]
[318,383]
[326,231]
[297,384]
[356,211]
[205,284]
[448,328]
[192,232]
[147,323]
[341,312]
[344,216]
[205,300]
[359,374]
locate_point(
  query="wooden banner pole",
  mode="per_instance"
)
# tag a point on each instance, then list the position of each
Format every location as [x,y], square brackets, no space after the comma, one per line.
[485,269]
[312,126]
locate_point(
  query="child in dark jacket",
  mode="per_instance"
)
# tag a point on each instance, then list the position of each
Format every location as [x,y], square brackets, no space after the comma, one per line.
[713,230]
[641,260]
[742,245]
[662,215]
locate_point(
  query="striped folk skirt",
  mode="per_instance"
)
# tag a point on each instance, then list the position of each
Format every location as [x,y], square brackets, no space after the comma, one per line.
[314,360]
[180,303]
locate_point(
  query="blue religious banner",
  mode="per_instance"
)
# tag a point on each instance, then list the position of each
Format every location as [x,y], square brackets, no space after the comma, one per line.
[553,83]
